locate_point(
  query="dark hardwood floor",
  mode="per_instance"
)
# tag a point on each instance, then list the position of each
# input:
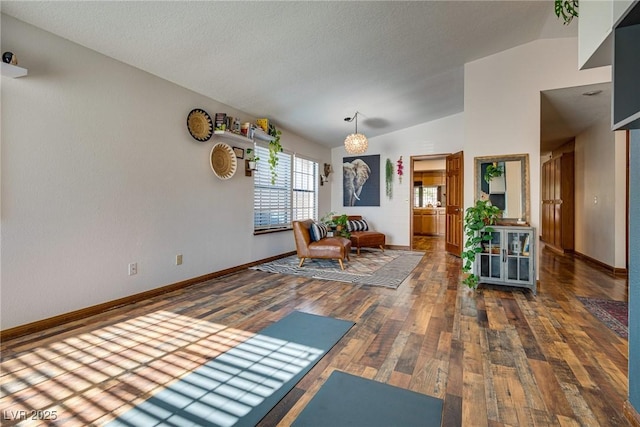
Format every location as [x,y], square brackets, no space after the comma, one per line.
[497,357]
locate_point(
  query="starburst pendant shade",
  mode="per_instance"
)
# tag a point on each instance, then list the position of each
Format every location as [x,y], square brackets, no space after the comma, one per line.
[356,143]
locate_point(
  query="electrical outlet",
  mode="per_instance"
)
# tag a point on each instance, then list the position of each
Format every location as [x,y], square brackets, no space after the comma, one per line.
[133,268]
[179,259]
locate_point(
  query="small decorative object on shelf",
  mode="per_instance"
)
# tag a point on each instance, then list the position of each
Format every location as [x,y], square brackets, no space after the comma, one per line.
[221,121]
[400,170]
[264,124]
[9,58]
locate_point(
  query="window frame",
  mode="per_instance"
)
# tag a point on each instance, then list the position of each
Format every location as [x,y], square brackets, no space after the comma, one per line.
[262,182]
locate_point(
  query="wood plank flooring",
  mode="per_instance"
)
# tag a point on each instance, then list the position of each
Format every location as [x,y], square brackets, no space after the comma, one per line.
[496,357]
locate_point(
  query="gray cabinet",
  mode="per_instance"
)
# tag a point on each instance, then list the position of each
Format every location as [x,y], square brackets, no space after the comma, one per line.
[508,258]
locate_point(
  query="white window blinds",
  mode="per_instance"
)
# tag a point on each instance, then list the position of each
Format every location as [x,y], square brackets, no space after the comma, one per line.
[292,196]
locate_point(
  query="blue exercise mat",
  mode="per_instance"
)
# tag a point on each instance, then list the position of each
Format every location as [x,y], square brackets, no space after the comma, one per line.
[240,386]
[348,400]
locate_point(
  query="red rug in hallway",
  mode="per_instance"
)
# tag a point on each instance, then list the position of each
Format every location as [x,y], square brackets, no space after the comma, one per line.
[614,314]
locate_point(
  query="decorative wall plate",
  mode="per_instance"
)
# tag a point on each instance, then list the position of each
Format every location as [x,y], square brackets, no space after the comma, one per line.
[223,161]
[200,125]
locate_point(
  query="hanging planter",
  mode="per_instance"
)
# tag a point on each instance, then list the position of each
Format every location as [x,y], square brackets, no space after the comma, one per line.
[388,178]
[566,9]
[274,148]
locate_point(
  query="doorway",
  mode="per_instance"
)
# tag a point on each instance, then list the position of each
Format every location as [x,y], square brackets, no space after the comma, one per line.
[436,192]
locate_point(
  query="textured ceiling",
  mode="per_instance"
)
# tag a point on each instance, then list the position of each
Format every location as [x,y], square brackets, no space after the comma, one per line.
[306,65]
[565,113]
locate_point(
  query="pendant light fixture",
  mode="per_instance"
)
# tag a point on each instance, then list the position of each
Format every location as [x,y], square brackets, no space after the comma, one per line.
[355,143]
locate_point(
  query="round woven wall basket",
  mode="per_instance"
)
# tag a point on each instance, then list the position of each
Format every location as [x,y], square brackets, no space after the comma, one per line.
[223,161]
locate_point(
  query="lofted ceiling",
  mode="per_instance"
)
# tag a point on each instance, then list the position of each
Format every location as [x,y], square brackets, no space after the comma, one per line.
[306,64]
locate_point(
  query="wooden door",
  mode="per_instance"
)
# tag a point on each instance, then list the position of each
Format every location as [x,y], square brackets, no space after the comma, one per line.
[455,203]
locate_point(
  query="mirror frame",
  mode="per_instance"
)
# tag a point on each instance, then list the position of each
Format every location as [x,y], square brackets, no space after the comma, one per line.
[524,160]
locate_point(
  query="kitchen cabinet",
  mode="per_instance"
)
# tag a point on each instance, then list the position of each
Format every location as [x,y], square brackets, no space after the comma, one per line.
[417,223]
[429,221]
[508,258]
[433,178]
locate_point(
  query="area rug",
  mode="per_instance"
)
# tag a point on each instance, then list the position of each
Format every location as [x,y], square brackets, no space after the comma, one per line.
[614,314]
[239,387]
[348,400]
[372,267]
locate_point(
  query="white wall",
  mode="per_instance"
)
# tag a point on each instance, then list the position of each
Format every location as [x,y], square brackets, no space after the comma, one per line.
[595,29]
[502,103]
[99,170]
[442,136]
[597,166]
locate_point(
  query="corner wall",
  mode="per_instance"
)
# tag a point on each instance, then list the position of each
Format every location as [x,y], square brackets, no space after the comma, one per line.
[600,189]
[99,171]
[502,104]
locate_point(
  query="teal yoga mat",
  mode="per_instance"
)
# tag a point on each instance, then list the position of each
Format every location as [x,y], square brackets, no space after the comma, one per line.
[348,400]
[239,387]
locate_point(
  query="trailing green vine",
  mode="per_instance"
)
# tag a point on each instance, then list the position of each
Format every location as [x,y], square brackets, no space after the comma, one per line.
[388,178]
[566,9]
[274,148]
[477,230]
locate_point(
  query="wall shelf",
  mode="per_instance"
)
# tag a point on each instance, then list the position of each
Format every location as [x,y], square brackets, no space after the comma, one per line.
[262,135]
[13,71]
[232,136]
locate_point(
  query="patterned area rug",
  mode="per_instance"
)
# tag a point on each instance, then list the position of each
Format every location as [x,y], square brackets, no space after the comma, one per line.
[614,314]
[372,267]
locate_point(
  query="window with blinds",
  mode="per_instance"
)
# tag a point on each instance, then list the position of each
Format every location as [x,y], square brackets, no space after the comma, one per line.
[305,186]
[292,196]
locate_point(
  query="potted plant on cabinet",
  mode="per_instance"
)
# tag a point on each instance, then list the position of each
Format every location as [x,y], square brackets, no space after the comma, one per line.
[478,220]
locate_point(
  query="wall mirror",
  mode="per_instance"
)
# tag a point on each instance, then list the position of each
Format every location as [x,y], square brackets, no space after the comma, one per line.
[505,181]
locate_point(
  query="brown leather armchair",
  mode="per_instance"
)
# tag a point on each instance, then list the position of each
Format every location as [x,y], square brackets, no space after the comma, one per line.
[327,248]
[369,238]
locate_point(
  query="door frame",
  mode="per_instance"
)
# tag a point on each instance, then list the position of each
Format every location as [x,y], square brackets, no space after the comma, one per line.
[412,160]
